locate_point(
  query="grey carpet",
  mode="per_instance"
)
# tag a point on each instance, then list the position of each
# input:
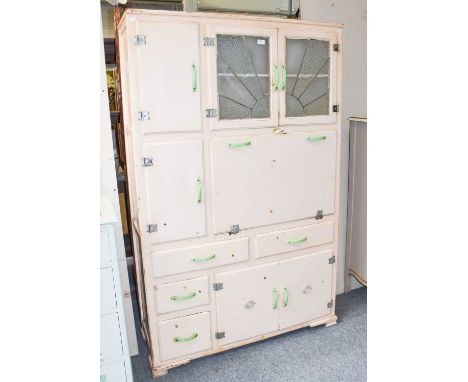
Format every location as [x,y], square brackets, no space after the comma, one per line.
[337,353]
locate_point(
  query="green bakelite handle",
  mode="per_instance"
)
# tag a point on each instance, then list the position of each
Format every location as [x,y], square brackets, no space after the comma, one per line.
[186,339]
[285,297]
[194,78]
[283,83]
[275,298]
[275,70]
[242,144]
[317,138]
[184,298]
[199,190]
[297,241]
[203,259]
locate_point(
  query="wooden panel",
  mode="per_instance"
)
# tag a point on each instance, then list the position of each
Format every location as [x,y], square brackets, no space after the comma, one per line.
[246,304]
[269,179]
[165,63]
[174,189]
[198,257]
[114,372]
[182,295]
[306,288]
[184,336]
[105,253]
[108,299]
[111,345]
[288,240]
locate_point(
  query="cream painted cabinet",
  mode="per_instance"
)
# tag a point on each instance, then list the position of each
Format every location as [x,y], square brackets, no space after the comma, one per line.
[233,143]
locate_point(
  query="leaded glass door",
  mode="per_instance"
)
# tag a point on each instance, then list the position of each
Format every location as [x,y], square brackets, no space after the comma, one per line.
[243,77]
[308,77]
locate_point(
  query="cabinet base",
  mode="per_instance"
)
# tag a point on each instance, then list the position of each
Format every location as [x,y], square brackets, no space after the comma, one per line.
[332,321]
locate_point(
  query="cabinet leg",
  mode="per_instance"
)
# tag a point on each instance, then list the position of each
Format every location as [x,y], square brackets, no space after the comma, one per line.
[161,373]
[331,321]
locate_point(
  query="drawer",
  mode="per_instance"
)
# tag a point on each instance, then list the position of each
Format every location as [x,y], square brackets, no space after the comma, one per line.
[108,300]
[288,240]
[194,258]
[182,295]
[184,336]
[111,344]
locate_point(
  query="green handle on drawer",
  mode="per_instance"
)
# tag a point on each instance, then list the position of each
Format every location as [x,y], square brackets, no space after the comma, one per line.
[276,76]
[199,190]
[275,298]
[283,82]
[203,259]
[297,241]
[242,144]
[194,78]
[184,298]
[186,339]
[317,138]
[285,297]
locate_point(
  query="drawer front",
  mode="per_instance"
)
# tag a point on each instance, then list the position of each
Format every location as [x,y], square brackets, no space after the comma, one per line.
[182,295]
[184,336]
[288,240]
[111,343]
[108,300]
[194,258]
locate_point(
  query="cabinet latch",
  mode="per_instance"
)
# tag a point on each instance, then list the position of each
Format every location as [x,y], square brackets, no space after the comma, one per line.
[331,260]
[152,228]
[336,47]
[147,162]
[234,229]
[330,304]
[220,335]
[319,215]
[209,41]
[336,108]
[211,113]
[217,286]
[143,115]
[139,39]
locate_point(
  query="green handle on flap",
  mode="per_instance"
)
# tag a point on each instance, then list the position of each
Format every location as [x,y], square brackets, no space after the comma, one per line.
[186,339]
[285,297]
[184,298]
[275,298]
[194,78]
[242,144]
[317,138]
[199,190]
[297,241]
[276,77]
[203,259]
[283,82]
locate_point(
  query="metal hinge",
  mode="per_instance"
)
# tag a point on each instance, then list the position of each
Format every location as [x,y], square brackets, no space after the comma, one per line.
[319,215]
[140,39]
[152,228]
[143,115]
[147,162]
[330,304]
[336,47]
[211,113]
[331,260]
[234,229]
[336,108]
[220,335]
[209,41]
[217,286]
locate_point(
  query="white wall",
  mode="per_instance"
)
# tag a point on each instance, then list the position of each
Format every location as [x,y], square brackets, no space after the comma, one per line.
[353,14]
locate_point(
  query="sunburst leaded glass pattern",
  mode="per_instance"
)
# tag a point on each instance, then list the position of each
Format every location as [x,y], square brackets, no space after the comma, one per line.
[243,77]
[308,77]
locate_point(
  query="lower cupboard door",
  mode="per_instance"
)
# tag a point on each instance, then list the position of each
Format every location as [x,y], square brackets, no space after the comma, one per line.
[248,303]
[306,288]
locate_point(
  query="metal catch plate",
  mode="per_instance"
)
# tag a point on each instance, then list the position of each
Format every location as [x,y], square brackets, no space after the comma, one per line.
[143,115]
[220,335]
[331,260]
[147,162]
[336,47]
[217,286]
[330,304]
[336,108]
[211,113]
[152,228]
[140,39]
[209,41]
[319,215]
[234,229]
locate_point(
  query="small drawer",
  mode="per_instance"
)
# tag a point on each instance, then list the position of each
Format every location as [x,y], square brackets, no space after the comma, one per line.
[194,258]
[182,295]
[288,240]
[108,300]
[184,336]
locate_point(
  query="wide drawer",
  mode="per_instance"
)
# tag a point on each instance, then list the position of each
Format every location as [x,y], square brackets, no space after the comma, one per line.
[288,240]
[194,258]
[184,336]
[182,295]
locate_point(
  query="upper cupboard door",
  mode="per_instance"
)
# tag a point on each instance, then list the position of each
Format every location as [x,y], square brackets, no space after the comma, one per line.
[308,77]
[168,72]
[243,77]
[174,189]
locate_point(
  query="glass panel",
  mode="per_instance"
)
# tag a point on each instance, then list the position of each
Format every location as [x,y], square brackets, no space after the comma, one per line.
[308,77]
[243,77]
